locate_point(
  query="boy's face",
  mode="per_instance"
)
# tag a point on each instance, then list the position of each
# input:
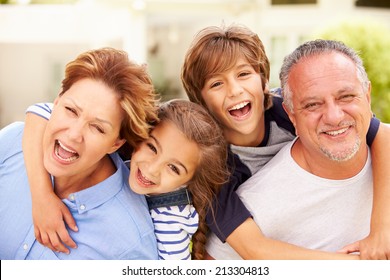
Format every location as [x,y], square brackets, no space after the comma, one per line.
[236,99]
[164,162]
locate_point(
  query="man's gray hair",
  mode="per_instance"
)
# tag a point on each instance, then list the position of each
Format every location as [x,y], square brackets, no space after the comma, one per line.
[316,47]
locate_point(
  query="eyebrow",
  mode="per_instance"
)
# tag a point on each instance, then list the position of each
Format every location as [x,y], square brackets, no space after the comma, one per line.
[81,110]
[160,148]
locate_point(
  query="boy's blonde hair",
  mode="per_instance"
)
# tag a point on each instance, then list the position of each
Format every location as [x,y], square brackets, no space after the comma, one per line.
[215,50]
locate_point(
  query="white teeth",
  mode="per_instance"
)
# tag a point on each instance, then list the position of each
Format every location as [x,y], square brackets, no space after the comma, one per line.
[336,132]
[72,158]
[239,106]
[144,179]
[66,149]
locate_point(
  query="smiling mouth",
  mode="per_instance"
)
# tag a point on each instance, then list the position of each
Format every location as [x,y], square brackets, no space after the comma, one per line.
[240,110]
[64,153]
[143,180]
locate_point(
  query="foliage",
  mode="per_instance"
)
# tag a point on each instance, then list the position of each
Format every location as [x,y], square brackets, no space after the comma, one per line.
[371,40]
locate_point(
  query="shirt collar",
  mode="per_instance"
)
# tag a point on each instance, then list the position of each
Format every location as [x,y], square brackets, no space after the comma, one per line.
[98,194]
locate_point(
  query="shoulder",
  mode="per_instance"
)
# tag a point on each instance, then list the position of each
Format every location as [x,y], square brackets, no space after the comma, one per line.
[11,139]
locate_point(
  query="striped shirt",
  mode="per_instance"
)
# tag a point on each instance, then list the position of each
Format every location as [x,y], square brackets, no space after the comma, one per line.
[174,227]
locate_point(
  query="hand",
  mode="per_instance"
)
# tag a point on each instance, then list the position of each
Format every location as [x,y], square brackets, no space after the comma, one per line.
[373,247]
[50,216]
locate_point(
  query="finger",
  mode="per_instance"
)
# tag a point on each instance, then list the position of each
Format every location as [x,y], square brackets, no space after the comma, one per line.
[351,248]
[69,220]
[45,241]
[56,243]
[66,239]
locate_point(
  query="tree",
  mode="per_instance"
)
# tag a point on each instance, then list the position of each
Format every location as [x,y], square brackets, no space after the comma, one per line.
[371,40]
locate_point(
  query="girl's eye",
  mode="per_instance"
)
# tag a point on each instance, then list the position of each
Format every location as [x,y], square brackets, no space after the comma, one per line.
[174,169]
[213,85]
[152,148]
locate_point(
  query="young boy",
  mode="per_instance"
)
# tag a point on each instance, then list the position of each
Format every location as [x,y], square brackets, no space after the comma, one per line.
[236,92]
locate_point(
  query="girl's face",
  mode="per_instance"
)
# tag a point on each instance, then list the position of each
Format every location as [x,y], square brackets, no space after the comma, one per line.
[164,162]
[81,131]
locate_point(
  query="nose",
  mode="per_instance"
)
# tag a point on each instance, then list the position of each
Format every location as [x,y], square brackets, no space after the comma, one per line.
[235,88]
[154,168]
[333,114]
[75,131]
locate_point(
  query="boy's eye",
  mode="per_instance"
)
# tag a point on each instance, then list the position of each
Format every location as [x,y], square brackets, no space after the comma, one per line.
[174,169]
[242,74]
[152,148]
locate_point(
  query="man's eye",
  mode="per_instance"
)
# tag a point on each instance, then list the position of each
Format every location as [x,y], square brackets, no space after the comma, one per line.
[311,106]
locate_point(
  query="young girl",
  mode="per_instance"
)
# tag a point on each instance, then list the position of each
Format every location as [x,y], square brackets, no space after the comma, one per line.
[180,168]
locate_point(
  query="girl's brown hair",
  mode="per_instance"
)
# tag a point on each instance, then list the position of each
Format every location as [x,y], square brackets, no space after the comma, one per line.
[128,80]
[197,125]
[215,50]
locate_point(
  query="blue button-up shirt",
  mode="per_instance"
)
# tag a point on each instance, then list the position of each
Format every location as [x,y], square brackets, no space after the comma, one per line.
[113,221]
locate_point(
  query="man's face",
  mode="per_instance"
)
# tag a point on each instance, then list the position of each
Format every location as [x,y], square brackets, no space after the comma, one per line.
[331,111]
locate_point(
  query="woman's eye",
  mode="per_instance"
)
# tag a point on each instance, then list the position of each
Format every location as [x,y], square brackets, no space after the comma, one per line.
[152,148]
[99,129]
[71,110]
[174,169]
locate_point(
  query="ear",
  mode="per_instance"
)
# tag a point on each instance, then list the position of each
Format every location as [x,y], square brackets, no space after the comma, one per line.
[368,93]
[291,116]
[118,143]
[56,100]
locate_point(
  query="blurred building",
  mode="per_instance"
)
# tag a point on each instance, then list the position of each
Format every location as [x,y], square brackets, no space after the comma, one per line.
[37,40]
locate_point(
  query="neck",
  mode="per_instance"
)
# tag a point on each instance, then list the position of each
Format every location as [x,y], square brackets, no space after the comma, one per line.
[321,166]
[251,139]
[64,186]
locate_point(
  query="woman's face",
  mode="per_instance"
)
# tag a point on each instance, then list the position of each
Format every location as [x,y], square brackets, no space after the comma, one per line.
[164,162]
[84,126]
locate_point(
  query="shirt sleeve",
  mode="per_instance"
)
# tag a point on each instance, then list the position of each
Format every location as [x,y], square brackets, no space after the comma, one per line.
[174,227]
[228,211]
[372,131]
[41,109]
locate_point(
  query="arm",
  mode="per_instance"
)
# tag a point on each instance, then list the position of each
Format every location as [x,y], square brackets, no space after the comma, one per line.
[377,244]
[264,248]
[48,210]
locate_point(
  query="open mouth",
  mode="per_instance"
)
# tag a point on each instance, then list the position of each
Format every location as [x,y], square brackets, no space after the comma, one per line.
[337,132]
[64,153]
[240,110]
[143,180]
